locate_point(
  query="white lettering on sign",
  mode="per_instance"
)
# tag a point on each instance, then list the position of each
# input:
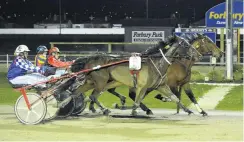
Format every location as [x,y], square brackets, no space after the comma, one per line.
[147,36]
[220,22]
[197,30]
[238,22]
[223,22]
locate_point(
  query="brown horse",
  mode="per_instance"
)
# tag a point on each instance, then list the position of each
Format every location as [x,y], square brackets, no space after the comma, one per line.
[151,75]
[179,74]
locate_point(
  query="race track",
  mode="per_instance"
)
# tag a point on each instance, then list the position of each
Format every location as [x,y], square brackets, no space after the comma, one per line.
[163,125]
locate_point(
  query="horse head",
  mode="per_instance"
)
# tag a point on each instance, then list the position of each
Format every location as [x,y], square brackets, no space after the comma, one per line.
[205,45]
[185,49]
[79,64]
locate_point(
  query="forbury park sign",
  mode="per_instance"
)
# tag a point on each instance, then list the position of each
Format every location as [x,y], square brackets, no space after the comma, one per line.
[147,36]
[215,17]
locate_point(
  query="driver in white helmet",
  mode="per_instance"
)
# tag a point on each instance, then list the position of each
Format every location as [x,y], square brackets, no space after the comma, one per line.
[17,72]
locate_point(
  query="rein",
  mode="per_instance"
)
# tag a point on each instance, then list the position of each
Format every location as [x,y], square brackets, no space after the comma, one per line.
[187,57]
[76,73]
[190,46]
[160,74]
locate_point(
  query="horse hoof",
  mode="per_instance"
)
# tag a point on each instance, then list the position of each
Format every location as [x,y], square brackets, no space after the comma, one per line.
[149,112]
[190,112]
[177,113]
[134,113]
[106,112]
[204,113]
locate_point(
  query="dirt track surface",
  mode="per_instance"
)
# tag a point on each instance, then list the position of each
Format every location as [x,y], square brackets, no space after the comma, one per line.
[163,125]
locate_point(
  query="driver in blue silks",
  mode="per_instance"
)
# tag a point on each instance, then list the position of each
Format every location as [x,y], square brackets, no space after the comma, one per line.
[17,72]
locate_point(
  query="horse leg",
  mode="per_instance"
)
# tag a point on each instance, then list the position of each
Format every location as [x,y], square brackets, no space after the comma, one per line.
[100,79]
[166,90]
[191,96]
[161,97]
[95,94]
[132,95]
[92,98]
[91,106]
[83,88]
[122,98]
[110,85]
[177,93]
[179,97]
[140,93]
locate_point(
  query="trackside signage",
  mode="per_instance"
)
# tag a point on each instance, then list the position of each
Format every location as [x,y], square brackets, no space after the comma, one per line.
[147,36]
[211,33]
[216,16]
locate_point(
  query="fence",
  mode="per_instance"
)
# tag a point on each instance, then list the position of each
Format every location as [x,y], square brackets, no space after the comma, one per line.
[89,48]
[7,59]
[111,47]
[204,69]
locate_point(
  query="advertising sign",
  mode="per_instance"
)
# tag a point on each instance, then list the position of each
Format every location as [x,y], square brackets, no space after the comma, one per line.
[216,16]
[147,36]
[211,35]
[198,30]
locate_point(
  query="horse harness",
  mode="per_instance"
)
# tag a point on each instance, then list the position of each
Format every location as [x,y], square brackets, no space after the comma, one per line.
[135,66]
[182,44]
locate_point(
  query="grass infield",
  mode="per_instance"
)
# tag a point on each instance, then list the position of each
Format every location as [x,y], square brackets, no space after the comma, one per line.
[232,101]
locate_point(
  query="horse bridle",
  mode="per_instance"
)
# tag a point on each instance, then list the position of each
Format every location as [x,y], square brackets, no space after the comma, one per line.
[190,46]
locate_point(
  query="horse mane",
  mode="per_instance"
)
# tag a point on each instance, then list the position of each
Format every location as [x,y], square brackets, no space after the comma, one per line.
[191,37]
[80,63]
[91,57]
[161,44]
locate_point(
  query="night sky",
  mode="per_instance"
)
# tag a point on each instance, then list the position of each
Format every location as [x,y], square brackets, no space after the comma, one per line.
[32,11]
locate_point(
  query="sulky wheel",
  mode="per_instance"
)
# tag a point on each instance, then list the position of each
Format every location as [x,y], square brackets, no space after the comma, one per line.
[67,110]
[52,107]
[37,112]
[80,104]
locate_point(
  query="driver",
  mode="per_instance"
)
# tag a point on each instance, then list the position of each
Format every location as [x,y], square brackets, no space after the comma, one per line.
[41,56]
[17,72]
[53,60]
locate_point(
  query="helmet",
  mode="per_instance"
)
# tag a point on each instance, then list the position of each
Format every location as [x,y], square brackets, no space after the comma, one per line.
[21,49]
[53,49]
[41,49]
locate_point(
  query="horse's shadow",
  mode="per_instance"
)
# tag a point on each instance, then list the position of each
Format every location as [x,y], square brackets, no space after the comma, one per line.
[118,116]
[114,118]
[98,115]
[131,116]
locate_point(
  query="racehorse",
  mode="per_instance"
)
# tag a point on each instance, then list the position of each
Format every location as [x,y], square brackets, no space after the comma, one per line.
[152,75]
[179,73]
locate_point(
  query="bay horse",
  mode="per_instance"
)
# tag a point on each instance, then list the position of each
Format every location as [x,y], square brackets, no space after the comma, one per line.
[152,75]
[179,74]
